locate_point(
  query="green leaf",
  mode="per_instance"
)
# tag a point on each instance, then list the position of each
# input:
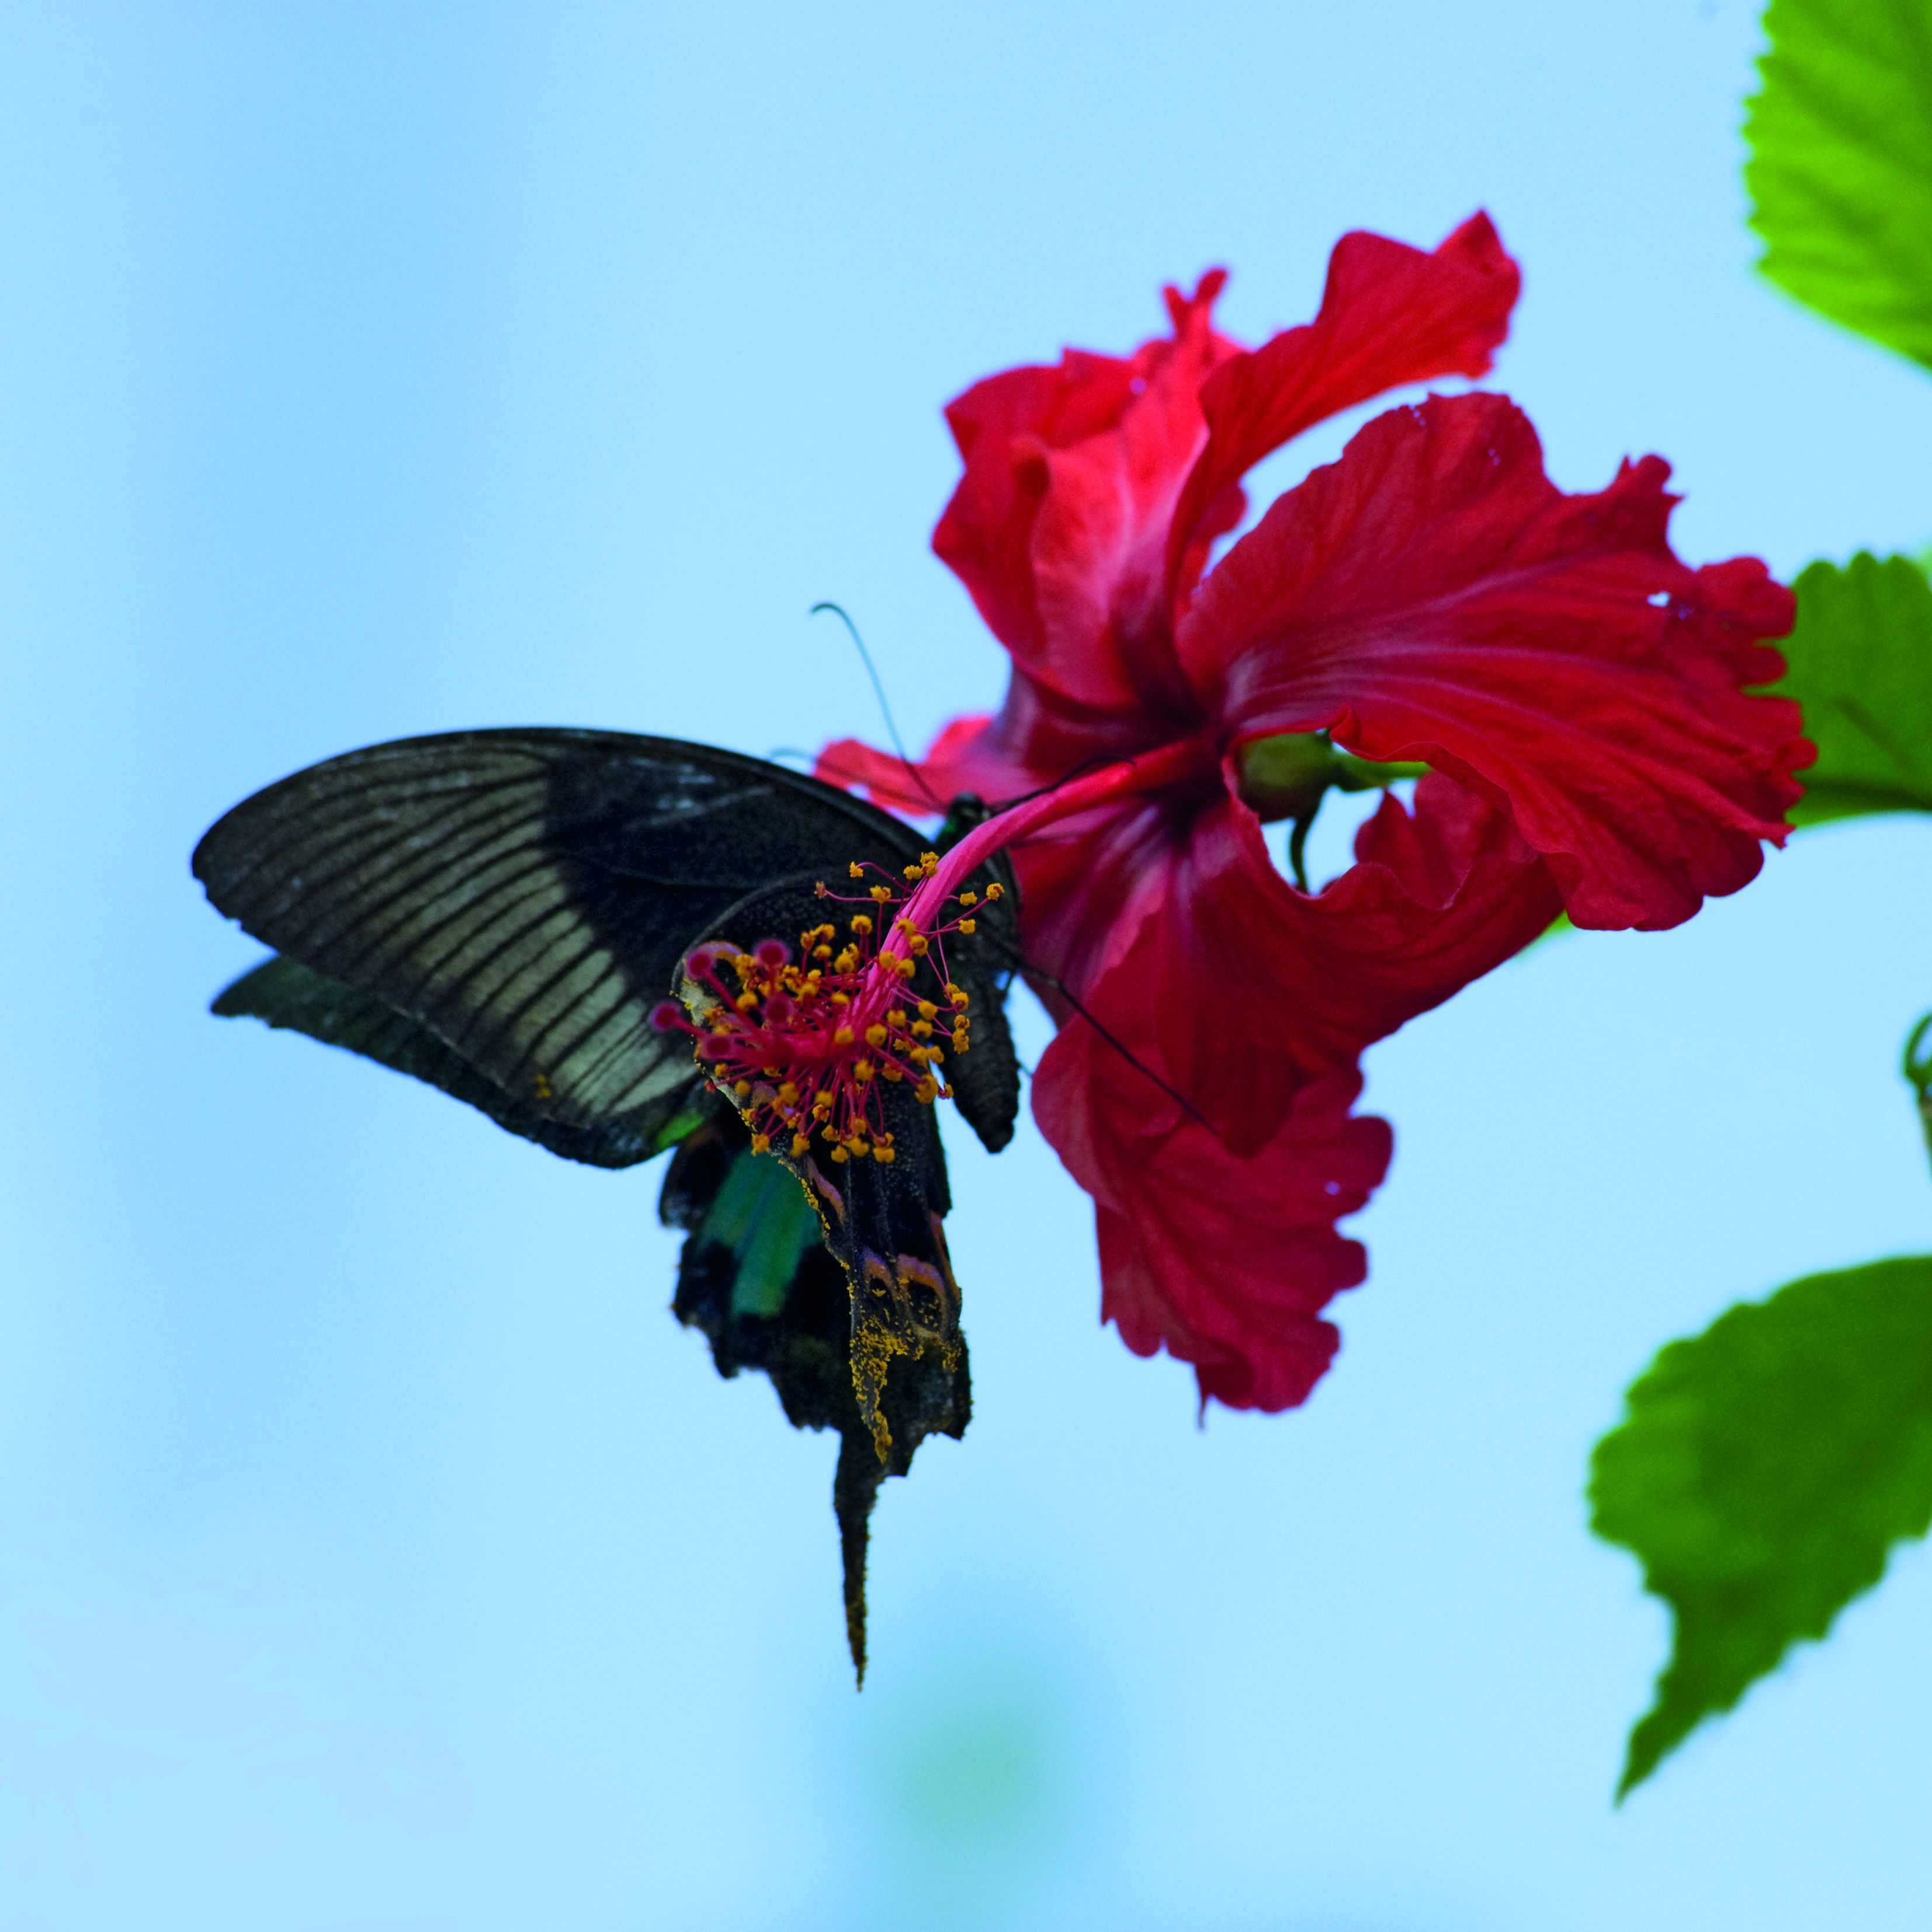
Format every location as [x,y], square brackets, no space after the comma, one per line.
[1841,172]
[1859,660]
[1763,1472]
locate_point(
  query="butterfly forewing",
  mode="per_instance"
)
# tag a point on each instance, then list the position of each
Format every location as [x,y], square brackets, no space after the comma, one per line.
[524,897]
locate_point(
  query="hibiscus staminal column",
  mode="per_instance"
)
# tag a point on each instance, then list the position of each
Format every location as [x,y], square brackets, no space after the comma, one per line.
[801,1044]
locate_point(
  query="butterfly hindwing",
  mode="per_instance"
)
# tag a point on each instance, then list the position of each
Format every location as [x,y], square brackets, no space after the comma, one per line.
[756,1277]
[896,1336]
[285,994]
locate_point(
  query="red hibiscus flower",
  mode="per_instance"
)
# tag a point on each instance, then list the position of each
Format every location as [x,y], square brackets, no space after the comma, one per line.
[1578,695]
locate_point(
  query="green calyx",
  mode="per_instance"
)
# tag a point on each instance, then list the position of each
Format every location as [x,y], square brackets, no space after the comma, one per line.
[1288,775]
[1285,777]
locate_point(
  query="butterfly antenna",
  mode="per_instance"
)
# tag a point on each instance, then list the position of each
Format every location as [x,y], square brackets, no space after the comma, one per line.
[1067,778]
[1126,1052]
[879,691]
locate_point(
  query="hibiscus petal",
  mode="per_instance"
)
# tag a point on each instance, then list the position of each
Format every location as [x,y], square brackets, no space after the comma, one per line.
[1434,596]
[1004,427]
[1059,526]
[958,760]
[1086,885]
[1225,1261]
[1391,315]
[1255,987]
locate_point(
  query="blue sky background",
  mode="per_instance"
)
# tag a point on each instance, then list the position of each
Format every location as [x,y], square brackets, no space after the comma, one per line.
[375,1550]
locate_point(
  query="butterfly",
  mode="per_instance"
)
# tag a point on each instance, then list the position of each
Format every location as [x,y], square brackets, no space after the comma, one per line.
[499,913]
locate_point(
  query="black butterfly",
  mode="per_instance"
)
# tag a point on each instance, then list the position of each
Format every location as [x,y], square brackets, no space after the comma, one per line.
[498,913]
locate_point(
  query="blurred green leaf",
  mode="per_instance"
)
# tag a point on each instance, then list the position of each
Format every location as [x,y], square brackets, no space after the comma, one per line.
[1917,1068]
[1841,172]
[1859,660]
[1763,1472]
[1557,928]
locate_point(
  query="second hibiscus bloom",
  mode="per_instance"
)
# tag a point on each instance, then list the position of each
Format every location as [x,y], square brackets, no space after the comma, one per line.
[1580,696]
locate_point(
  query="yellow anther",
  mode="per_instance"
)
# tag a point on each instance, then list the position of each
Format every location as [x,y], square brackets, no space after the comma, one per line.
[855,870]
[960,1042]
[841,999]
[891,1071]
[905,967]
[884,1155]
[969,899]
[821,952]
[761,1143]
[800,1144]
[969,925]
[880,894]
[862,921]
[918,942]
[843,1037]
[928,863]
[838,1154]
[823,1098]
[922,1029]
[927,1091]
[745,1002]
[927,1011]
[741,1088]
[996,891]
[861,1071]
[914,871]
[876,1036]
[957,994]
[888,960]
[788,1092]
[848,962]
